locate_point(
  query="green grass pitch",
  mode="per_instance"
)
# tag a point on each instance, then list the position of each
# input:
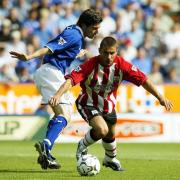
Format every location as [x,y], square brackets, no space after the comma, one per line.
[141,161]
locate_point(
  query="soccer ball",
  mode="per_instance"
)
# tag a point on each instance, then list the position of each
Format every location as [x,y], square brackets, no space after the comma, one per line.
[88,165]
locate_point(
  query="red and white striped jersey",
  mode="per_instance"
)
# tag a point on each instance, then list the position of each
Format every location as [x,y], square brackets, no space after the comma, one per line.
[100,83]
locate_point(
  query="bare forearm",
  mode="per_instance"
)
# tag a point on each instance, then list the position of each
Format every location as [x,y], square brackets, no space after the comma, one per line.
[65,87]
[152,89]
[54,101]
[163,101]
[39,53]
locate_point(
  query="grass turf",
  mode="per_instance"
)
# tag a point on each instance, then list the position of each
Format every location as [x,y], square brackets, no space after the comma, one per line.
[141,161]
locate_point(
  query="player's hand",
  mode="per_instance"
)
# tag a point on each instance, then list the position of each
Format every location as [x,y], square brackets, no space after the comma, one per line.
[20,56]
[54,101]
[166,103]
[82,53]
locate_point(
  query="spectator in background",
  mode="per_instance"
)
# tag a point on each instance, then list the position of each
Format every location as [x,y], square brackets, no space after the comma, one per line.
[31,22]
[148,8]
[92,46]
[157,35]
[128,52]
[7,74]
[56,11]
[14,18]
[25,34]
[130,9]
[22,7]
[35,41]
[172,38]
[112,5]
[16,44]
[139,17]
[5,31]
[68,17]
[3,55]
[136,34]
[142,61]
[23,74]
[81,5]
[155,76]
[124,21]
[172,76]
[108,25]
[174,61]
[5,6]
[42,32]
[98,4]
[148,45]
[164,21]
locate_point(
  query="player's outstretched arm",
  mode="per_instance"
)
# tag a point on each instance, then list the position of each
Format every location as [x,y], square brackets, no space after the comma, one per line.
[162,100]
[54,101]
[24,57]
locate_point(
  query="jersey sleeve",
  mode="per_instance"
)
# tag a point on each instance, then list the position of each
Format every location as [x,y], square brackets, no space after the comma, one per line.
[132,74]
[63,41]
[81,72]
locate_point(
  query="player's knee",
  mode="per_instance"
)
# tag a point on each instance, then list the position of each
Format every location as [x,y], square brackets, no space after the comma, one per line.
[60,111]
[102,131]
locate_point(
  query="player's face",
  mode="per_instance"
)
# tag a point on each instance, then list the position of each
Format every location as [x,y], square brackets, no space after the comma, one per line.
[92,30]
[107,55]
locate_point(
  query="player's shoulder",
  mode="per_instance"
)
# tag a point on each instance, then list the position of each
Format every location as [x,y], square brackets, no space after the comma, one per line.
[91,61]
[121,62]
[119,58]
[73,31]
[94,60]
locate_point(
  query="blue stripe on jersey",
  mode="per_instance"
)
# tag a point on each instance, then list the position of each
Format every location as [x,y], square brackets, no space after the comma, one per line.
[65,48]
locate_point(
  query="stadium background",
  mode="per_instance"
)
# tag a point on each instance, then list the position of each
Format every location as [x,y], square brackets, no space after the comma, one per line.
[148,32]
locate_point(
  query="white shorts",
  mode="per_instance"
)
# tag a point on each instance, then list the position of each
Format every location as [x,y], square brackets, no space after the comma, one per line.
[48,79]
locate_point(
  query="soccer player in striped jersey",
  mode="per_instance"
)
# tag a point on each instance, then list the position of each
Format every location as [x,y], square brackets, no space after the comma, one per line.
[99,78]
[58,55]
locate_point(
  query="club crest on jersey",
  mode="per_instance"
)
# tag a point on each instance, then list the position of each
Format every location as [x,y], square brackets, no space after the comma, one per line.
[61,41]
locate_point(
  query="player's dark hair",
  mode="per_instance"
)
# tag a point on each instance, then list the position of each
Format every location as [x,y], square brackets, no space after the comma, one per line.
[108,42]
[90,17]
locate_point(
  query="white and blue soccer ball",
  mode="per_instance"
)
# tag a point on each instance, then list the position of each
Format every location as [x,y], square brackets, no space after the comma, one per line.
[88,165]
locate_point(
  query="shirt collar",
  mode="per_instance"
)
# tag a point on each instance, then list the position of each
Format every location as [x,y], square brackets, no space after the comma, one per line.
[78,27]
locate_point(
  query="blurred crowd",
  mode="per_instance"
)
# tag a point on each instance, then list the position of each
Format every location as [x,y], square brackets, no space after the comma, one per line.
[148,32]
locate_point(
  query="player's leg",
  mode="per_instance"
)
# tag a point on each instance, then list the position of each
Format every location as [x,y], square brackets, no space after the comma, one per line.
[98,131]
[57,123]
[48,80]
[109,144]
[55,127]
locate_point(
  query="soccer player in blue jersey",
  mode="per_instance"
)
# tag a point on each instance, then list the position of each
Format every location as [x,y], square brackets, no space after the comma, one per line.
[58,55]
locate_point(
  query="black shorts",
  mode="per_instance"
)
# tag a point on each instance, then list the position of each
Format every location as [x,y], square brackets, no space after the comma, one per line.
[88,112]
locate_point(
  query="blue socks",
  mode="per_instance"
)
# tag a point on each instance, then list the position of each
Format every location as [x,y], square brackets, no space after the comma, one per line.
[55,126]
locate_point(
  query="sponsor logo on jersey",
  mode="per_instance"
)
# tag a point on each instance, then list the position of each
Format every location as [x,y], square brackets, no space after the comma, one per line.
[94,112]
[61,41]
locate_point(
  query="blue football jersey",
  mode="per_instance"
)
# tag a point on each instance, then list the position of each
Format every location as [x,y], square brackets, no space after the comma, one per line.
[65,48]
